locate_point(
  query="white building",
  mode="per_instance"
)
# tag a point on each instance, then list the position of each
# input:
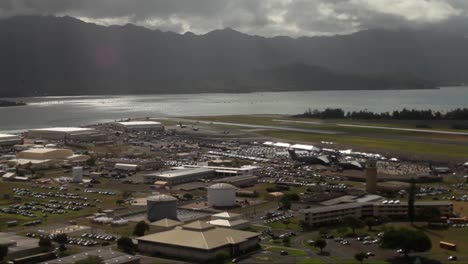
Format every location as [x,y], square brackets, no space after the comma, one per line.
[9,140]
[229,220]
[126,167]
[65,133]
[133,126]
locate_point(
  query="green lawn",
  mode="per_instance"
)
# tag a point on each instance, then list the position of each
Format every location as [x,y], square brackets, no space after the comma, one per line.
[310,261]
[401,146]
[292,251]
[292,225]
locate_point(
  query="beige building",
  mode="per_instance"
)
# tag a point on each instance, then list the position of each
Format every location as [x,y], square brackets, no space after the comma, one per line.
[229,220]
[332,214]
[46,157]
[198,241]
[164,225]
[274,196]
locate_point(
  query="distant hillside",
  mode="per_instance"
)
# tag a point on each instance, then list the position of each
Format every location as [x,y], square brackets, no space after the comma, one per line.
[65,56]
[300,76]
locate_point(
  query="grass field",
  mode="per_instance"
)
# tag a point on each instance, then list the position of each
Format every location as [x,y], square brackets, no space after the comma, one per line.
[310,261]
[293,224]
[401,146]
[408,143]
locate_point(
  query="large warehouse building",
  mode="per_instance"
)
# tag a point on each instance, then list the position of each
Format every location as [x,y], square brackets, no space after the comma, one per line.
[134,126]
[9,140]
[198,240]
[66,133]
[174,177]
[331,214]
[45,157]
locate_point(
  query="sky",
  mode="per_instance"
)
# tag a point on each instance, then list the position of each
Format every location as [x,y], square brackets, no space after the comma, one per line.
[257,17]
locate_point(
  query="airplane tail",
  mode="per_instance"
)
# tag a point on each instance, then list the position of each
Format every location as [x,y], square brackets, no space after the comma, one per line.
[292,154]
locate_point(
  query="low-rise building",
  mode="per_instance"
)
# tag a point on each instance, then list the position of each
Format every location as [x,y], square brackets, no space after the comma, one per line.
[164,225]
[229,220]
[240,181]
[229,171]
[198,241]
[46,157]
[274,196]
[66,133]
[19,246]
[331,214]
[135,126]
[10,140]
[174,177]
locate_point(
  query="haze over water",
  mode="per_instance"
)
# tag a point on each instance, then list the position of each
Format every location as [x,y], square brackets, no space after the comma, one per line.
[85,110]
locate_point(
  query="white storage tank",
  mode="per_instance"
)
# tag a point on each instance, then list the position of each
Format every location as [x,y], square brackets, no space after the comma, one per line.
[161,206]
[222,195]
[77,174]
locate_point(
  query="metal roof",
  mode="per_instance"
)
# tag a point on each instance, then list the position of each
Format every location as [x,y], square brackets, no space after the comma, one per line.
[221,186]
[161,198]
[189,236]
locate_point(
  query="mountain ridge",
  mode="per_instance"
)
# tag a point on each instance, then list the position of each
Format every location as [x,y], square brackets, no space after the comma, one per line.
[46,55]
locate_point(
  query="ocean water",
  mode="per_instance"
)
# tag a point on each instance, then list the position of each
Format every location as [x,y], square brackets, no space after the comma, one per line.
[83,110]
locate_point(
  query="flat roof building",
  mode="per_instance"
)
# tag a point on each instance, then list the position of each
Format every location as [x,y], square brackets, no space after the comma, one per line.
[133,126]
[65,133]
[19,246]
[9,140]
[174,177]
[239,181]
[198,240]
[331,214]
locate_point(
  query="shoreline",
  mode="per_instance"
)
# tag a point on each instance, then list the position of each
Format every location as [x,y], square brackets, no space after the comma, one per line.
[226,92]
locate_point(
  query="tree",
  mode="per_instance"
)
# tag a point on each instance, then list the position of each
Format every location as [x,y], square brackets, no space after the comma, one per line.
[119,202]
[360,257]
[188,196]
[126,195]
[62,239]
[285,203]
[3,251]
[323,231]
[321,243]
[140,228]
[406,239]
[353,223]
[411,200]
[430,214]
[125,244]
[90,260]
[370,222]
[91,161]
[45,242]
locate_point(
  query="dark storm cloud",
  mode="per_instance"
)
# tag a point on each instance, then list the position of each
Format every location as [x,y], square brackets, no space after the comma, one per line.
[262,17]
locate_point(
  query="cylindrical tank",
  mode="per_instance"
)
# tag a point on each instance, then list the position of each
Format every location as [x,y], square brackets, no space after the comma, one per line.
[371,176]
[77,174]
[221,195]
[161,206]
